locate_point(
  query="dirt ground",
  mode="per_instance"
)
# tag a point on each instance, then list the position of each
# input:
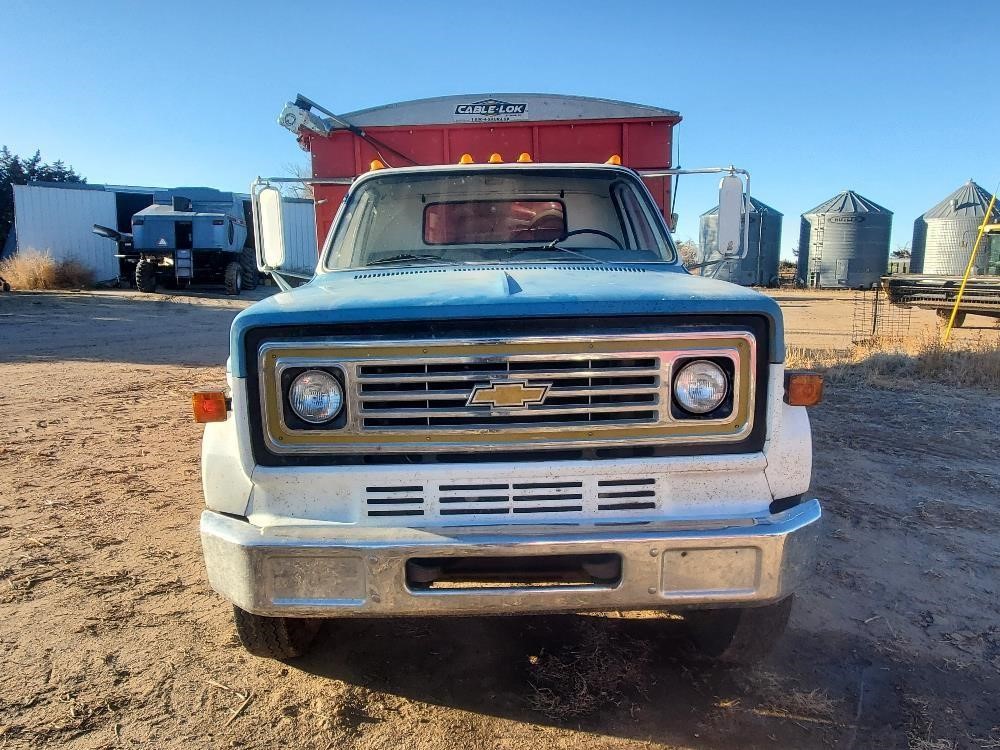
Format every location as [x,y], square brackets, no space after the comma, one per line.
[111,638]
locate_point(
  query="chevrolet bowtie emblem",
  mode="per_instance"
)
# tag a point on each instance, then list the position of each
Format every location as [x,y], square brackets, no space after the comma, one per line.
[507,394]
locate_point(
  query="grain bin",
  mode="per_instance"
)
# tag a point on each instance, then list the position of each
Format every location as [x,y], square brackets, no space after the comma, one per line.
[943,238]
[760,266]
[844,242]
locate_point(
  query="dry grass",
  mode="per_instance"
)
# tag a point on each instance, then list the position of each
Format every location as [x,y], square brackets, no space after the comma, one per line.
[598,668]
[973,363]
[781,698]
[33,269]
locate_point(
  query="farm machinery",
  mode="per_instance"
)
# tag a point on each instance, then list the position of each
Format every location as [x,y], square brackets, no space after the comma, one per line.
[189,235]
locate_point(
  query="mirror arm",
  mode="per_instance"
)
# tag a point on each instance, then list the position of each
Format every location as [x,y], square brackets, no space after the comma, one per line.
[714,170]
[283,283]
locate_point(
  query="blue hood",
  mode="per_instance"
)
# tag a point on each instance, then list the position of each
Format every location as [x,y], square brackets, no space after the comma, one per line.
[510,291]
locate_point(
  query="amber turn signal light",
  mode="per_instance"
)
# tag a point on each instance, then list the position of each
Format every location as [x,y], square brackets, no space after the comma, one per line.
[803,388]
[209,405]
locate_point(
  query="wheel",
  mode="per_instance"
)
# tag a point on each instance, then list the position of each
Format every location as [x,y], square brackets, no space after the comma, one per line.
[739,636]
[145,276]
[945,316]
[234,278]
[275,637]
[248,259]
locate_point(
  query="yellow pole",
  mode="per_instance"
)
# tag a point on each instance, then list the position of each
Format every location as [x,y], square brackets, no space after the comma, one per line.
[968,267]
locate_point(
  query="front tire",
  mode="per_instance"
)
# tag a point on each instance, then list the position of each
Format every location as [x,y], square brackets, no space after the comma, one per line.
[234,278]
[145,276]
[739,636]
[275,637]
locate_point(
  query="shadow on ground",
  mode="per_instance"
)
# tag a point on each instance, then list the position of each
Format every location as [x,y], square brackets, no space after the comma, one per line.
[640,679]
[178,328]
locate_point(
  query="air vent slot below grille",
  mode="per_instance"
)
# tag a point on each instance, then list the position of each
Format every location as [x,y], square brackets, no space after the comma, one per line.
[566,498]
[404,500]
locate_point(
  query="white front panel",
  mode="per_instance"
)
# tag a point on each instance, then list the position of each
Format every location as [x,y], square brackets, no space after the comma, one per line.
[59,221]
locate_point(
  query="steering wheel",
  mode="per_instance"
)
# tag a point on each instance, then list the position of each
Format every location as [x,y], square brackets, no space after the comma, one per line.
[587,231]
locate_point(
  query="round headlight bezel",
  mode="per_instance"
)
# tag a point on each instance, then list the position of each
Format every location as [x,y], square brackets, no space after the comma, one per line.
[322,418]
[682,399]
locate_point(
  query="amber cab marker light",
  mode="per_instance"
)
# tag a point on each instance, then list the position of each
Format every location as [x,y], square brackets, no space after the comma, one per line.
[524,158]
[465,159]
[375,165]
[495,158]
[614,159]
[209,405]
[803,388]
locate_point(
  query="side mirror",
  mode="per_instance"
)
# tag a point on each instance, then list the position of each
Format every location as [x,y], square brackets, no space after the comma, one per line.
[731,204]
[270,228]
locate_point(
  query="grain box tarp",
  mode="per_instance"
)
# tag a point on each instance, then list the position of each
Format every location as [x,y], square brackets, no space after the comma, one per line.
[59,221]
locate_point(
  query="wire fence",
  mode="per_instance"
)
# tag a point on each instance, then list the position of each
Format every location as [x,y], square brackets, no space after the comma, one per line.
[874,321]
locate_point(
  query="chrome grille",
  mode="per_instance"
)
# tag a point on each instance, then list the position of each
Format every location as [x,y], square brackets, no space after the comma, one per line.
[478,394]
[565,498]
[597,390]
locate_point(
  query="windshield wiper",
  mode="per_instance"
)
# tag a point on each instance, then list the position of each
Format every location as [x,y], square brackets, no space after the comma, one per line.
[403,257]
[550,246]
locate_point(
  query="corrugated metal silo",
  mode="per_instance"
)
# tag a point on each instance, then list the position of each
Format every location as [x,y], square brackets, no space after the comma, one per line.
[760,266]
[943,238]
[844,242]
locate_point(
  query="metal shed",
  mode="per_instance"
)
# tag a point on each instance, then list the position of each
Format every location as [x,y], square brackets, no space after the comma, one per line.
[844,242]
[56,218]
[944,236]
[760,266]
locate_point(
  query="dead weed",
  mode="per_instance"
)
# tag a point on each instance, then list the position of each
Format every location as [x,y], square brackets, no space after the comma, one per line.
[596,667]
[33,269]
[780,698]
[974,363]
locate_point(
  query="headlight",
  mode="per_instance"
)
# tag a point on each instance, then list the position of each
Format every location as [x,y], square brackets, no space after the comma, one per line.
[316,396]
[700,386]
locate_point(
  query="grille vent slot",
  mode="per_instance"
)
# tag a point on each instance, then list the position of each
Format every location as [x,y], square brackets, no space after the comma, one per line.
[405,500]
[566,498]
[626,494]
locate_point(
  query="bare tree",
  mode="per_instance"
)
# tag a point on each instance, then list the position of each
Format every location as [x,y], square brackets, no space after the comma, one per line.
[299,189]
[688,250]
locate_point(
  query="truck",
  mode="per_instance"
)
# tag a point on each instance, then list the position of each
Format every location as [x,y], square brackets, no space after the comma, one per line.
[188,235]
[501,392]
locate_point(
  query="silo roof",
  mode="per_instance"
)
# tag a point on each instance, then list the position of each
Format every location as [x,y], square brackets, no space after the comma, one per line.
[756,207]
[968,202]
[849,202]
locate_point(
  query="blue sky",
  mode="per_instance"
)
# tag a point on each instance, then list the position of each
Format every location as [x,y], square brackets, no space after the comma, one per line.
[887,98]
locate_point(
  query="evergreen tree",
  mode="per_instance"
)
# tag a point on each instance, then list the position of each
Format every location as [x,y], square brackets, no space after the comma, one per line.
[16,170]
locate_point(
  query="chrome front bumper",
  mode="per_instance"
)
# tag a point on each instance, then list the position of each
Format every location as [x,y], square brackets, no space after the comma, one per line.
[316,571]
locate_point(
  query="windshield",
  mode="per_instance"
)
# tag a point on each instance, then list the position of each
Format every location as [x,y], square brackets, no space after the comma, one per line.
[499,216]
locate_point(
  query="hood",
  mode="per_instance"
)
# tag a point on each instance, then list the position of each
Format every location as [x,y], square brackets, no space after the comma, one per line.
[510,291]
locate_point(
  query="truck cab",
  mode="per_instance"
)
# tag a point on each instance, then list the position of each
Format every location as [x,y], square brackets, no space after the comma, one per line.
[501,392]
